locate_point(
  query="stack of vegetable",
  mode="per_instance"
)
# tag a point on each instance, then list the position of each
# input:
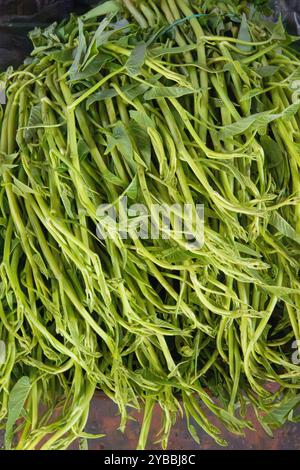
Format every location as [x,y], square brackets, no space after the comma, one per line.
[169,102]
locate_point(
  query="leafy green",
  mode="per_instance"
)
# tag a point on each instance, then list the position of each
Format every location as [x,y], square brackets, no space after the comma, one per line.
[280,413]
[166,92]
[35,118]
[141,138]
[259,120]
[284,227]
[244,35]
[79,52]
[120,139]
[136,59]
[16,401]
[142,118]
[101,96]
[267,71]
[127,106]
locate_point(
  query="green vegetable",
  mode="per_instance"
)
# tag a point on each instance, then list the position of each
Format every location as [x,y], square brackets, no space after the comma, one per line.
[17,398]
[167,102]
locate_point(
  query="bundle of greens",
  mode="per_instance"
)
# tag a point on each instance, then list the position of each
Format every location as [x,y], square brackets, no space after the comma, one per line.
[168,102]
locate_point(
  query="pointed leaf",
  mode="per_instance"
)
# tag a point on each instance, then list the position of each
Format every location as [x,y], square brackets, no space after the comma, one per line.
[80,50]
[278,416]
[142,140]
[17,398]
[244,35]
[166,92]
[259,120]
[35,118]
[132,190]
[142,118]
[136,59]
[101,96]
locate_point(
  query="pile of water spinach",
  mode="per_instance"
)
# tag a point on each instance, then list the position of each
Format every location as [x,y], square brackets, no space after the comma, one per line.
[170,103]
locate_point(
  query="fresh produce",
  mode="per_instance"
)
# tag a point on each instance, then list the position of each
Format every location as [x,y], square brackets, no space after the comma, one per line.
[164,102]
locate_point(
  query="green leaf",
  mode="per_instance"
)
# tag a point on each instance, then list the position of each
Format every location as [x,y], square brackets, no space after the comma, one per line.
[17,398]
[111,6]
[284,227]
[62,56]
[98,36]
[112,178]
[272,151]
[278,30]
[83,149]
[101,96]
[35,118]
[267,70]
[244,35]
[80,50]
[247,250]
[275,158]
[142,118]
[278,416]
[242,71]
[92,60]
[103,37]
[142,140]
[289,112]
[252,93]
[167,92]
[193,432]
[255,120]
[20,188]
[65,195]
[120,139]
[123,141]
[40,263]
[83,444]
[259,120]
[295,75]
[136,59]
[132,190]
[133,91]
[91,69]
[7,162]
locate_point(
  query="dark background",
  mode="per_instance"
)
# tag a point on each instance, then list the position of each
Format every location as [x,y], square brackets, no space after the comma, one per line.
[17,17]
